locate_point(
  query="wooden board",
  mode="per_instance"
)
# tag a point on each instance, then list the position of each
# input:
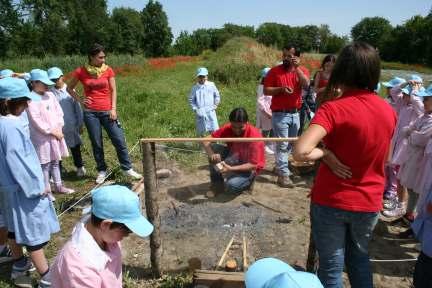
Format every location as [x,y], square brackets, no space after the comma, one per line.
[218,279]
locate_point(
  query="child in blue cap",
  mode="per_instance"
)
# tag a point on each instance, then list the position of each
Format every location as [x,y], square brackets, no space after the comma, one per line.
[422,225]
[92,257]
[273,273]
[204,99]
[73,118]
[46,131]
[30,217]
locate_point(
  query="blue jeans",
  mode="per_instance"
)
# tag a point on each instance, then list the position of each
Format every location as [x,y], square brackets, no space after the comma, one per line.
[94,122]
[235,182]
[284,125]
[342,237]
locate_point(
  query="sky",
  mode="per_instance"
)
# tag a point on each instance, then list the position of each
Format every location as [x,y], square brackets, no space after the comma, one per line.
[340,15]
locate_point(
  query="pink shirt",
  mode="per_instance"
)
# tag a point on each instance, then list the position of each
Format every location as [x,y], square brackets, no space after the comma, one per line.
[263,109]
[82,263]
[406,115]
[420,131]
[45,116]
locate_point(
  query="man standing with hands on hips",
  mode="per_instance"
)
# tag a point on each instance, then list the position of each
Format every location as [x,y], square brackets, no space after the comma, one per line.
[285,83]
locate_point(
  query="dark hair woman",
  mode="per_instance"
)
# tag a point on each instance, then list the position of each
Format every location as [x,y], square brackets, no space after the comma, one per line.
[100,110]
[348,189]
[322,77]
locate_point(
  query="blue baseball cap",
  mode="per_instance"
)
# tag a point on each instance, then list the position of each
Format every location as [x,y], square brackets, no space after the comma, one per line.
[120,204]
[264,72]
[40,75]
[202,71]
[416,78]
[12,88]
[396,81]
[6,73]
[426,92]
[274,273]
[54,73]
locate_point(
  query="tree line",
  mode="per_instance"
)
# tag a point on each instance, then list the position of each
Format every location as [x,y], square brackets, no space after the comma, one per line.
[55,27]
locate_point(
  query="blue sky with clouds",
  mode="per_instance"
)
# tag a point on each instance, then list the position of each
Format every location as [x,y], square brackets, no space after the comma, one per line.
[340,15]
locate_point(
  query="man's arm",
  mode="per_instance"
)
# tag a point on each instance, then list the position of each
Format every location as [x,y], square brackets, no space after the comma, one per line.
[245,167]
[213,157]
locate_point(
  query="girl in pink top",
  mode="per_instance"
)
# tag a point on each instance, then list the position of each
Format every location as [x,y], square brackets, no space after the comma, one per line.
[46,123]
[264,113]
[409,107]
[417,135]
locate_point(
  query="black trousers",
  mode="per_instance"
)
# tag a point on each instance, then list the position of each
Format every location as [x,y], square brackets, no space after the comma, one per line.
[423,272]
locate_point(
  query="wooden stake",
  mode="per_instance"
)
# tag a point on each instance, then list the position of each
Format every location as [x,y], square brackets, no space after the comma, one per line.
[152,206]
[310,262]
[219,265]
[245,259]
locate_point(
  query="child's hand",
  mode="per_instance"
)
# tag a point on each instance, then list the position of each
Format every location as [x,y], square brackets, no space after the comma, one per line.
[58,134]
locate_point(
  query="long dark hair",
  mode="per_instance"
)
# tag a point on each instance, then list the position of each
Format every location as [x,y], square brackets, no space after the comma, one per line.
[358,66]
[328,58]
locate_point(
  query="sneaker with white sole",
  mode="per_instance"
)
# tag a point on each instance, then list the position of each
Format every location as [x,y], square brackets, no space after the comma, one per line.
[390,204]
[133,174]
[101,176]
[44,284]
[398,211]
[81,172]
[18,271]
[23,281]
[268,150]
[5,255]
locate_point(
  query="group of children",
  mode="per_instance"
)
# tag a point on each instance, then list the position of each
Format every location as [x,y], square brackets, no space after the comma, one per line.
[408,191]
[33,141]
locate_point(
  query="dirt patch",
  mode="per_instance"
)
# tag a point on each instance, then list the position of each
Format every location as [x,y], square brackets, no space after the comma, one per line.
[196,229]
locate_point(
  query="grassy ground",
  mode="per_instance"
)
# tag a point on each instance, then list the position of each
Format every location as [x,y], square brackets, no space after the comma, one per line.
[152,102]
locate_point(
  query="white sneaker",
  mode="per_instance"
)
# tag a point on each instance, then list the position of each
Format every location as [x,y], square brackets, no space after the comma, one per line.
[399,211]
[268,150]
[81,172]
[101,177]
[133,174]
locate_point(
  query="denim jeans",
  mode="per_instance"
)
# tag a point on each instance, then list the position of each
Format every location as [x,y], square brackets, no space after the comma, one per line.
[235,182]
[94,122]
[284,125]
[342,237]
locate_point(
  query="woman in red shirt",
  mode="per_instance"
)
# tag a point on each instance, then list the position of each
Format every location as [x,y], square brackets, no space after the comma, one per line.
[100,110]
[322,77]
[355,126]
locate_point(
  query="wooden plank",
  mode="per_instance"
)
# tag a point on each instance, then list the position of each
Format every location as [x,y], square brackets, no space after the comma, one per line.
[219,265]
[245,257]
[219,279]
[235,139]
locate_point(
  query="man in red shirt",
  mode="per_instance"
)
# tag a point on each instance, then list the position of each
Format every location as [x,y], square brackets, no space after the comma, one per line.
[238,162]
[285,83]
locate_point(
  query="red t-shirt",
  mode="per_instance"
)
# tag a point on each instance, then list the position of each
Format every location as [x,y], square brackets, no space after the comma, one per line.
[359,129]
[279,77]
[252,152]
[96,89]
